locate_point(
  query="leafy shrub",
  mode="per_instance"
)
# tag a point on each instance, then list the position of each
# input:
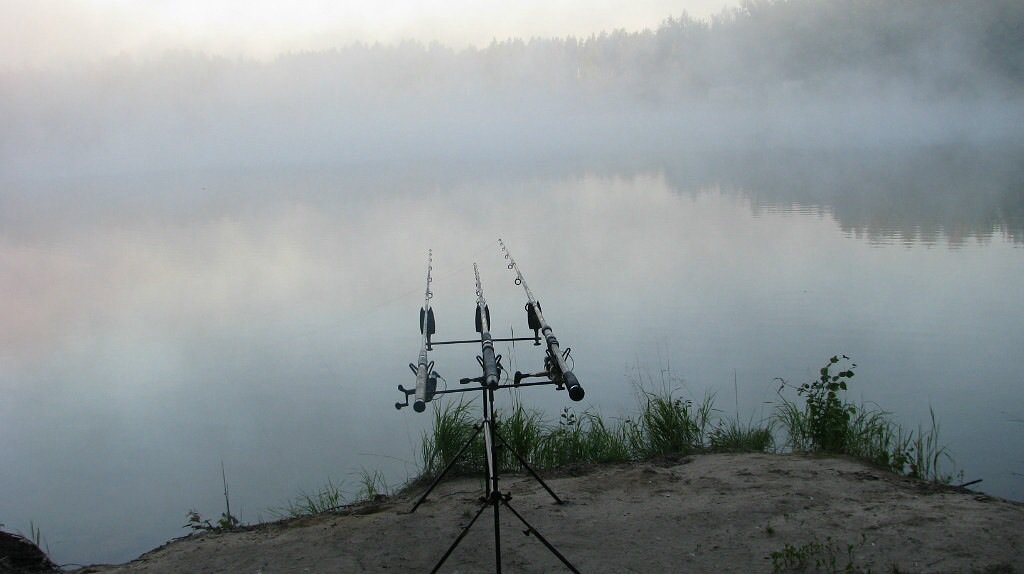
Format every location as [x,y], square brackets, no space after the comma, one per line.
[827,423]
[828,417]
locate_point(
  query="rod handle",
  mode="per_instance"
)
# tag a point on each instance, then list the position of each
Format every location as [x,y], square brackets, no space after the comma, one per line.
[572,385]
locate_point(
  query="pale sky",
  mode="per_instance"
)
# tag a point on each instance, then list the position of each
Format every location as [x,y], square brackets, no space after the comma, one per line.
[68,32]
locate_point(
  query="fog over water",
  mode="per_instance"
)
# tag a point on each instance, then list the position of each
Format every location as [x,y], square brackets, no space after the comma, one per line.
[800,73]
[208,259]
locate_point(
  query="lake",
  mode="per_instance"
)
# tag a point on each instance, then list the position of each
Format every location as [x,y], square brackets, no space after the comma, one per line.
[157,325]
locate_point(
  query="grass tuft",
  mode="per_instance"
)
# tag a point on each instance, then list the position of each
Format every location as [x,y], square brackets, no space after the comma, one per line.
[731,436]
[580,439]
[454,424]
[325,499]
[371,485]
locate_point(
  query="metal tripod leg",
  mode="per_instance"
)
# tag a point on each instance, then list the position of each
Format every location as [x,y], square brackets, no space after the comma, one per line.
[465,531]
[494,500]
[531,530]
[523,462]
[451,463]
[494,497]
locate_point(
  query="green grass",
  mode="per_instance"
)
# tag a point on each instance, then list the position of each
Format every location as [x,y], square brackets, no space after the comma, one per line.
[331,496]
[579,439]
[832,557]
[791,418]
[670,425]
[371,485]
[833,425]
[454,424]
[523,431]
[731,436]
[325,499]
[925,454]
[666,425]
[828,557]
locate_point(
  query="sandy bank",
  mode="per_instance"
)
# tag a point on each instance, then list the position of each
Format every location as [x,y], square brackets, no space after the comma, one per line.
[707,513]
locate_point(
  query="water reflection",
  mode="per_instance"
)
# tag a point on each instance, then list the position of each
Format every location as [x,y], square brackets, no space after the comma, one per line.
[953,193]
[158,325]
[945,193]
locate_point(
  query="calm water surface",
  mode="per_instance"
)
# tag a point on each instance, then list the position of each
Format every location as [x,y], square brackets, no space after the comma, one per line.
[156,326]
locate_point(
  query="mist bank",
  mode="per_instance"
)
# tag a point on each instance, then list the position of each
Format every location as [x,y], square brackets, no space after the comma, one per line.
[797,73]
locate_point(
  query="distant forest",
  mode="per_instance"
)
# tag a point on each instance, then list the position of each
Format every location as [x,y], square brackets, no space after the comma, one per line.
[786,56]
[932,47]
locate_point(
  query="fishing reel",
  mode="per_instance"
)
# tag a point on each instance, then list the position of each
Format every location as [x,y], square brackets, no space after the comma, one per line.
[430,389]
[499,369]
[552,369]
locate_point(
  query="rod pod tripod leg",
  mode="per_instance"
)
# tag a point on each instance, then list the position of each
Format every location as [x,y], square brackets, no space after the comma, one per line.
[533,473]
[448,467]
[493,497]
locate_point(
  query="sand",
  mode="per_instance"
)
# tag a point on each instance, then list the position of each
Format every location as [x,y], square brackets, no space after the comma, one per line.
[706,513]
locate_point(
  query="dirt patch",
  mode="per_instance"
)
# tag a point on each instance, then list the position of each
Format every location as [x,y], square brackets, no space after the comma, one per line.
[708,513]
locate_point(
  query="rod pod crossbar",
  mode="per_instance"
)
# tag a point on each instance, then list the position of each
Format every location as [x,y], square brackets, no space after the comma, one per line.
[556,357]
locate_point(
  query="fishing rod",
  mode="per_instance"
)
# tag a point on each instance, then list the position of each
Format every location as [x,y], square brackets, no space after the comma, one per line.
[554,363]
[426,377]
[490,363]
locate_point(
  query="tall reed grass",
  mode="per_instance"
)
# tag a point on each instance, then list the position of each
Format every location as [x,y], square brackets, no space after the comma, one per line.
[666,425]
[454,424]
[669,425]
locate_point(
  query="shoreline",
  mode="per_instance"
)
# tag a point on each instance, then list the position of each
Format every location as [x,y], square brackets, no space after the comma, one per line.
[706,512]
